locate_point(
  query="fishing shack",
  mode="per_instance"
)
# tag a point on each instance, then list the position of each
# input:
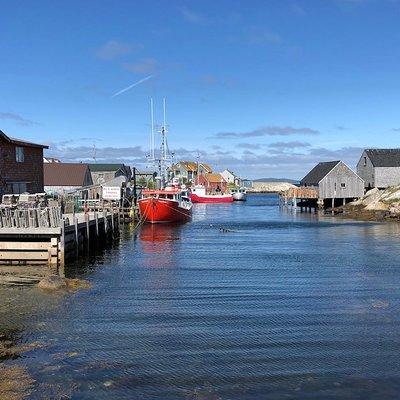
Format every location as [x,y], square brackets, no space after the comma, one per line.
[334,183]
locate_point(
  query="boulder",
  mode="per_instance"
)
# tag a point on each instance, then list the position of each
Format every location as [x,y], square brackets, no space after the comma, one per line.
[52,282]
[371,196]
[377,205]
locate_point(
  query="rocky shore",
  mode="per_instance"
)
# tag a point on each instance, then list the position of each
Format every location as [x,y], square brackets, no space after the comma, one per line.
[270,187]
[376,205]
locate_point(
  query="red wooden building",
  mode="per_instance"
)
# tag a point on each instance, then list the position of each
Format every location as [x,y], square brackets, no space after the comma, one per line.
[213,183]
[21,166]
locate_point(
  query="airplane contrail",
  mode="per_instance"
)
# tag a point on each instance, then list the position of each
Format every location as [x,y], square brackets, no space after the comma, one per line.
[133,85]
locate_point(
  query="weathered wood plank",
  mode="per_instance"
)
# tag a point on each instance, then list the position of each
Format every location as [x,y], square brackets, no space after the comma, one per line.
[22,270]
[30,231]
[24,245]
[24,255]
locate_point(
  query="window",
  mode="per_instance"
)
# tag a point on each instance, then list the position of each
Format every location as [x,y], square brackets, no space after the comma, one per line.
[17,187]
[343,185]
[19,154]
[365,161]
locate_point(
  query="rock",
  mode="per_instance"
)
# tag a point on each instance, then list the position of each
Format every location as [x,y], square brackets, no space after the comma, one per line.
[15,383]
[369,197]
[377,206]
[52,282]
[271,187]
[75,284]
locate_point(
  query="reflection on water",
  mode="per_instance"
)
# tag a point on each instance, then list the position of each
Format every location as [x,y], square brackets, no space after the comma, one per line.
[246,302]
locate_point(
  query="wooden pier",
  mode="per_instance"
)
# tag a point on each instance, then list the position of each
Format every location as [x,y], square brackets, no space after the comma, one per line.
[302,198]
[37,242]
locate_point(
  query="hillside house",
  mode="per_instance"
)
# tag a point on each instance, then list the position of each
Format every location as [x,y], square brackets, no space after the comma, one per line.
[379,168]
[335,181]
[21,166]
[230,177]
[60,178]
[186,171]
[213,183]
[102,173]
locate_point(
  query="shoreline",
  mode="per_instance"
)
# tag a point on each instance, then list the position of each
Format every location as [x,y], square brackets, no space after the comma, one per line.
[359,213]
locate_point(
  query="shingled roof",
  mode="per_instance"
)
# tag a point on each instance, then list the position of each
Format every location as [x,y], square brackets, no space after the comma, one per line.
[214,178]
[106,167]
[384,157]
[318,173]
[20,142]
[65,174]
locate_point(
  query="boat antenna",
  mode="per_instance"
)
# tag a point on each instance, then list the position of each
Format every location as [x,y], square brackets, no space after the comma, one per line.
[94,152]
[152,130]
[198,167]
[165,129]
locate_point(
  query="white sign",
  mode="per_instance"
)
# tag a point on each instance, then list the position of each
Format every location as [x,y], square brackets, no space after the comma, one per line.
[111,192]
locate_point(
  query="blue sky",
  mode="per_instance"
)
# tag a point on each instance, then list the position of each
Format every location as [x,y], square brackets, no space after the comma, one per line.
[265,88]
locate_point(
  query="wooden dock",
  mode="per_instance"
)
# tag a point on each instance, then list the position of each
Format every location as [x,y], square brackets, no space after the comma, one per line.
[37,242]
[301,198]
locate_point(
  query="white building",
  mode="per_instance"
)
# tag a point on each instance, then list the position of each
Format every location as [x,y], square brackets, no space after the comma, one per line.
[229,176]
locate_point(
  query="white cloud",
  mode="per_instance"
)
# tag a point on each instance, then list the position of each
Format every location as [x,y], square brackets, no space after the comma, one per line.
[113,49]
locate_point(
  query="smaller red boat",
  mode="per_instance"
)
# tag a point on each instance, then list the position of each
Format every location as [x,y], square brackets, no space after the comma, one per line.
[198,195]
[165,205]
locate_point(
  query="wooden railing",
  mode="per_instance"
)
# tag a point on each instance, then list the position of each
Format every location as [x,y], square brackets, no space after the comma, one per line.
[302,193]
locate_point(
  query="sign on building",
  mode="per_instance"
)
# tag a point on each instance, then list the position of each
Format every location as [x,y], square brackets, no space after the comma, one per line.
[111,193]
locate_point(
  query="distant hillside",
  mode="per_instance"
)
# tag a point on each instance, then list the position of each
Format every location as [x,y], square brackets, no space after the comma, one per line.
[293,181]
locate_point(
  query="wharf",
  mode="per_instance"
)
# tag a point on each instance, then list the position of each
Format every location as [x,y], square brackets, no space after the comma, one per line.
[301,197]
[37,242]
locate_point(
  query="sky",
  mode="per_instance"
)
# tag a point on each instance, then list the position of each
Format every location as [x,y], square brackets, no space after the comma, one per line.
[264,88]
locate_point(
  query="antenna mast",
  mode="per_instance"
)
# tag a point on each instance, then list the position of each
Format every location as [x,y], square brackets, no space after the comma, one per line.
[94,152]
[152,130]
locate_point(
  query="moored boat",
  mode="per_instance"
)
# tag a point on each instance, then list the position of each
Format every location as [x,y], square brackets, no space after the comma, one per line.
[198,195]
[239,194]
[169,203]
[165,205]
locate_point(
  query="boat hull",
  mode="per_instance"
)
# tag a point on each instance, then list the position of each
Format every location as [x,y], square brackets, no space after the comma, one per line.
[223,198]
[157,211]
[239,196]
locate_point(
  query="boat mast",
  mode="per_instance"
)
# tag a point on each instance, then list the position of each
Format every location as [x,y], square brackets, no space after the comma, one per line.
[152,130]
[164,149]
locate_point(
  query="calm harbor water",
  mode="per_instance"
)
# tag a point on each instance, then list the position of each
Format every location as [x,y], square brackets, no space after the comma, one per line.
[276,306]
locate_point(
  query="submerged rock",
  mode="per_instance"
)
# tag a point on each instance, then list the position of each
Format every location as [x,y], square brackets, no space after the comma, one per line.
[52,282]
[75,284]
[15,383]
[55,282]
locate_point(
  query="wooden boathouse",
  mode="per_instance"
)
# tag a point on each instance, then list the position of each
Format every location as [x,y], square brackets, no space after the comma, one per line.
[36,242]
[328,184]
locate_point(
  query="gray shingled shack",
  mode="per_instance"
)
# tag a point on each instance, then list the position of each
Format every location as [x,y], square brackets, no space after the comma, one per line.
[334,181]
[379,168]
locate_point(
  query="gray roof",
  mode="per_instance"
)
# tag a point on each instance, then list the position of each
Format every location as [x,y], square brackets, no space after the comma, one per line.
[384,157]
[318,173]
[21,142]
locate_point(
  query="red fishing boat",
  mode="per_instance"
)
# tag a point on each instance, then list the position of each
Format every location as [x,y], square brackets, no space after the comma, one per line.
[165,205]
[198,195]
[170,203]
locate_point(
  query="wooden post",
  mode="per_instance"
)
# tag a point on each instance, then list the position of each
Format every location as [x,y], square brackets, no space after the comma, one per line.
[76,234]
[61,249]
[87,229]
[97,223]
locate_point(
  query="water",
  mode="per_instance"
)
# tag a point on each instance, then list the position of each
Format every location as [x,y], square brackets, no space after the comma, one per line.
[275,306]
